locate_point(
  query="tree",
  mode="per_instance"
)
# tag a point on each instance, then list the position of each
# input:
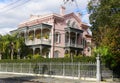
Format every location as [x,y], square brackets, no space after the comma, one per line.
[105,21]
[12,46]
[4,46]
[17,46]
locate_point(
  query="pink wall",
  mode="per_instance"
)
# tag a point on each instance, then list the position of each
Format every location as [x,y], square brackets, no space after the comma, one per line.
[60,24]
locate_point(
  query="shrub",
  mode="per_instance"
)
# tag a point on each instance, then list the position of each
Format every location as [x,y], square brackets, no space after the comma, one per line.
[37,56]
[67,55]
[39,59]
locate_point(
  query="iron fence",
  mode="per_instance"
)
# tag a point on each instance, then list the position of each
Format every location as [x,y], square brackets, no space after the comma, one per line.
[59,69]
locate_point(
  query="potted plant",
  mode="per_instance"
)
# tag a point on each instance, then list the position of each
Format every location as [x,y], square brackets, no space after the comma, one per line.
[31,37]
[46,36]
[38,36]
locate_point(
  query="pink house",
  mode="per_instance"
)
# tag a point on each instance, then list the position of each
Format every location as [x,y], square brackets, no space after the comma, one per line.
[55,35]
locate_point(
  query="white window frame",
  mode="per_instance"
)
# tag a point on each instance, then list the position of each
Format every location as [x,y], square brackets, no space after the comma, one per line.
[57,37]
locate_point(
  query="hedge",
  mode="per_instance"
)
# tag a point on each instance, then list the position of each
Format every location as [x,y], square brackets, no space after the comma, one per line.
[76,59]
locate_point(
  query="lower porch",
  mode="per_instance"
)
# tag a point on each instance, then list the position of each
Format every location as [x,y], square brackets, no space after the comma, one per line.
[72,52]
[42,51]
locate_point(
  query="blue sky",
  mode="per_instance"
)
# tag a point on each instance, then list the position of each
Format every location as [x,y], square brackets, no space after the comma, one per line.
[13,14]
[4,1]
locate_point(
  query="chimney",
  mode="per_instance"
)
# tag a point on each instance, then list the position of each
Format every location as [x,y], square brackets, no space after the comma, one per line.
[62,10]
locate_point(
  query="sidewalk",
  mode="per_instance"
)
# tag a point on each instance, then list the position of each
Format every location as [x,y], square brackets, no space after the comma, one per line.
[62,80]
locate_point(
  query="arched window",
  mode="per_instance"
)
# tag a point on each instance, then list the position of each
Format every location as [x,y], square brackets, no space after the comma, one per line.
[56,54]
[73,24]
[57,37]
[68,22]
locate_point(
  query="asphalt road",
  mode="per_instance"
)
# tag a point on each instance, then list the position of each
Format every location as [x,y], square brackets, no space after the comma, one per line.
[12,78]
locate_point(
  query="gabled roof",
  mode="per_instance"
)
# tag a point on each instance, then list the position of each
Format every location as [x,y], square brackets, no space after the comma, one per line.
[73,15]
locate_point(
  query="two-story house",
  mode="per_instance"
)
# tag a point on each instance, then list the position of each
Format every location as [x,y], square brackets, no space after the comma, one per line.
[55,35]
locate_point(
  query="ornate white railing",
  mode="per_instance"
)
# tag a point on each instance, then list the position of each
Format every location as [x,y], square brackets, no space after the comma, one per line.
[38,41]
[73,45]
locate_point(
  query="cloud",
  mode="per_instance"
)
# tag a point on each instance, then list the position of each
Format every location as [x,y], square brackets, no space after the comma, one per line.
[14,14]
[6,31]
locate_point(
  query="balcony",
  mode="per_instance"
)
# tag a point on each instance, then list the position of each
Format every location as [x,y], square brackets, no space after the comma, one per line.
[73,45]
[38,41]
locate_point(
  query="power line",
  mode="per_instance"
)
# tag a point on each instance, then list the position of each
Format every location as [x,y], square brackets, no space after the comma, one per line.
[76,3]
[17,6]
[10,4]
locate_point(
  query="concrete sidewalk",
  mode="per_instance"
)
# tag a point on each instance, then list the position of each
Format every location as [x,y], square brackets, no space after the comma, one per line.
[62,80]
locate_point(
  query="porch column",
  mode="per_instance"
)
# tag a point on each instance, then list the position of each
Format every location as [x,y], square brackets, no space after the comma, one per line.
[49,53]
[41,34]
[69,52]
[33,51]
[41,50]
[34,34]
[69,38]
[76,39]
[76,52]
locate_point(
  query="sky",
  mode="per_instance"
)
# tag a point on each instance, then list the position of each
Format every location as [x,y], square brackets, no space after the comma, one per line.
[13,12]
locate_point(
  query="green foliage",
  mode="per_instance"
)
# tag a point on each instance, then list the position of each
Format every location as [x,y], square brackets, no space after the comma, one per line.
[67,55]
[46,36]
[29,56]
[11,46]
[103,51]
[105,21]
[37,56]
[38,36]
[76,59]
[31,37]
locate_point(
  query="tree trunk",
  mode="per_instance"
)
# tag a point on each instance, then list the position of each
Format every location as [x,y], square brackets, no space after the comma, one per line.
[12,52]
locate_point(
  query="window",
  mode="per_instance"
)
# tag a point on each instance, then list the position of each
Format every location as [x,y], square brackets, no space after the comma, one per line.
[68,22]
[84,42]
[56,54]
[57,37]
[73,24]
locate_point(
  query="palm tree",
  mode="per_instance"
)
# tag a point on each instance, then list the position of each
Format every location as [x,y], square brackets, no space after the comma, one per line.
[12,46]
[3,45]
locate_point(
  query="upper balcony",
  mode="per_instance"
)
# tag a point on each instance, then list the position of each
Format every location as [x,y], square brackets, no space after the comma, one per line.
[38,34]
[73,40]
[73,45]
[38,41]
